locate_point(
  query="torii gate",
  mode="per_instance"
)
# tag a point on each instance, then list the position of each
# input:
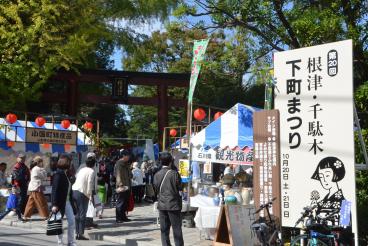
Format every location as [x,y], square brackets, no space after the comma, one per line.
[120,80]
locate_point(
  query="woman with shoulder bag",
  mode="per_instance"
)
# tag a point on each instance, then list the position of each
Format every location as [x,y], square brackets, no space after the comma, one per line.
[61,198]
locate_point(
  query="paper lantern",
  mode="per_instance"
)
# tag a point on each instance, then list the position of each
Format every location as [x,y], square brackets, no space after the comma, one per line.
[40,121]
[65,124]
[217,115]
[10,144]
[67,147]
[173,132]
[88,125]
[11,118]
[46,145]
[199,114]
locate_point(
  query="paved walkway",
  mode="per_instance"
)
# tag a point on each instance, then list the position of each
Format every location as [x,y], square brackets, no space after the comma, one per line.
[142,230]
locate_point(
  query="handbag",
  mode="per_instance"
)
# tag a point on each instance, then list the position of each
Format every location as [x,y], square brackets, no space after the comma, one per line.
[131,203]
[150,192]
[54,224]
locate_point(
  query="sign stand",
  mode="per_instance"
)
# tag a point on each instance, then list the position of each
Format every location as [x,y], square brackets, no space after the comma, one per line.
[223,234]
[234,226]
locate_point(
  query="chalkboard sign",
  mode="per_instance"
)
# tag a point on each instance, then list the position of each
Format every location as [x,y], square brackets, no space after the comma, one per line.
[234,226]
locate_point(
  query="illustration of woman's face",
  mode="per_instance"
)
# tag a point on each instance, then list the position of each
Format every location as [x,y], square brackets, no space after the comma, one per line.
[325,177]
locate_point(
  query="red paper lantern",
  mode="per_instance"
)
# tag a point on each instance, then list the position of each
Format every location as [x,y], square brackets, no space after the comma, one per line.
[217,115]
[10,144]
[173,132]
[67,147]
[88,125]
[199,114]
[65,124]
[11,118]
[40,121]
[46,145]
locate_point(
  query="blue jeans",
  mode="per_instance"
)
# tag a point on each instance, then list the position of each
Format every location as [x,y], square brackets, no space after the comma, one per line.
[71,225]
[81,202]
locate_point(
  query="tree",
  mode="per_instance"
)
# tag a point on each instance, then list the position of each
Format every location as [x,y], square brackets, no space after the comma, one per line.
[277,25]
[221,80]
[39,37]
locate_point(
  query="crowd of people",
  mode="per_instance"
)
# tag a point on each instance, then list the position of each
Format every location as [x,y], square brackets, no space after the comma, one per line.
[111,181]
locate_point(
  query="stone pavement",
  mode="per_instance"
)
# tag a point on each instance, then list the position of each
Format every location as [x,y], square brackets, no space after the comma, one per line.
[142,230]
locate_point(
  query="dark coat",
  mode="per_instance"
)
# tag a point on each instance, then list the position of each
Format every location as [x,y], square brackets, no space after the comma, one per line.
[21,176]
[123,174]
[169,198]
[60,186]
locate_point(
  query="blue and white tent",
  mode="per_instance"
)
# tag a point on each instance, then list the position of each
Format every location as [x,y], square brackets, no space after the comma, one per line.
[16,134]
[227,139]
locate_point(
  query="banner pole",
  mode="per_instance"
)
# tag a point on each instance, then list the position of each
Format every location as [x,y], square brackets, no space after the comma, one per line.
[189,134]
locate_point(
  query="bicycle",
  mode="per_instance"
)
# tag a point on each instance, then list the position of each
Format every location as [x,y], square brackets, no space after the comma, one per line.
[266,229]
[318,233]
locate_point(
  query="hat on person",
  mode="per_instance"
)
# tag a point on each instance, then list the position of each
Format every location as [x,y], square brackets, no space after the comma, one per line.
[91,155]
[135,164]
[21,155]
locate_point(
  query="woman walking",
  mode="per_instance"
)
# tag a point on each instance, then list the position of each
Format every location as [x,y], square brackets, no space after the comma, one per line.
[36,198]
[82,194]
[61,198]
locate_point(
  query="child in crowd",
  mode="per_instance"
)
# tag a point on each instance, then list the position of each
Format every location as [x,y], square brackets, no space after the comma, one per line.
[12,204]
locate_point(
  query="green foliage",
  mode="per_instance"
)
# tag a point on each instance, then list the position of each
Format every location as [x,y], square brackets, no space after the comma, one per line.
[171,51]
[36,38]
[278,25]
[139,10]
[39,37]
[361,101]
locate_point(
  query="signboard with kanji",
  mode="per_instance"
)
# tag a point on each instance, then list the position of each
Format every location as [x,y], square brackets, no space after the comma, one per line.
[314,95]
[266,168]
[39,135]
[227,156]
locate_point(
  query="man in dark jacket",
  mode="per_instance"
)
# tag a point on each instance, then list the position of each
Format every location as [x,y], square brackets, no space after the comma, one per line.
[167,183]
[123,184]
[20,179]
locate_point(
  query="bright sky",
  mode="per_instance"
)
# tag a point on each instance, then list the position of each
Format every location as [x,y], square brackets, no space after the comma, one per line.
[144,28]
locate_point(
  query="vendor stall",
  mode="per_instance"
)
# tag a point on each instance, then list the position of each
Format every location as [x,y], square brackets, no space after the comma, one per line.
[38,137]
[227,140]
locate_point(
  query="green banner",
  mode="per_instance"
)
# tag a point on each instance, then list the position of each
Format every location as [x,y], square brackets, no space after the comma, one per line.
[199,50]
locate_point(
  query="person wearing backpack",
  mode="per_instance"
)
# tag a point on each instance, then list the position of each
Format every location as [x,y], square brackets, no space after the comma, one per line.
[167,184]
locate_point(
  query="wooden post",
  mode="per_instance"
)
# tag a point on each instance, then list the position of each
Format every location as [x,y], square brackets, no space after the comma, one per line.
[162,111]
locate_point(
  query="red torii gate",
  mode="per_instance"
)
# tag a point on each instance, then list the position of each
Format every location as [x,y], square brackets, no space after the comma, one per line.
[120,80]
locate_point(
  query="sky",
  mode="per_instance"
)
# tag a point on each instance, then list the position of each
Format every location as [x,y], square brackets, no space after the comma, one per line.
[143,28]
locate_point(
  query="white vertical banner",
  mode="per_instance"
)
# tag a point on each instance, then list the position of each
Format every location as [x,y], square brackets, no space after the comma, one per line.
[314,95]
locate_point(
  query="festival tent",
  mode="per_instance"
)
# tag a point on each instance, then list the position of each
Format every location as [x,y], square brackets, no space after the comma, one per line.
[13,137]
[229,139]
